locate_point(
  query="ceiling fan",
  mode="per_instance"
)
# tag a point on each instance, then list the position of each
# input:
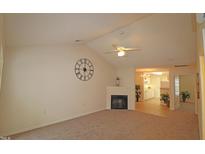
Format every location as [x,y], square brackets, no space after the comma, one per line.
[120,50]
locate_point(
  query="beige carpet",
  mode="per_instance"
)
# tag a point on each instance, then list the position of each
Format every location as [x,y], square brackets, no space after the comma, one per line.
[120,124]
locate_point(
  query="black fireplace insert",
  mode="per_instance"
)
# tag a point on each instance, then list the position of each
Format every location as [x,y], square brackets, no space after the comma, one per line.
[119,102]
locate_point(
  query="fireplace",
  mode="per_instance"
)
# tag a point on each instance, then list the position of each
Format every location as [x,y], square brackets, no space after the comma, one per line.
[119,102]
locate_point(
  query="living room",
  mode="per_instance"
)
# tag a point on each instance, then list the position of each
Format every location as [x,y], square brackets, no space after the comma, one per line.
[61,67]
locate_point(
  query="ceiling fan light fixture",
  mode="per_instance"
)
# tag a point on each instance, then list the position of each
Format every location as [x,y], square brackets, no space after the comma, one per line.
[121,53]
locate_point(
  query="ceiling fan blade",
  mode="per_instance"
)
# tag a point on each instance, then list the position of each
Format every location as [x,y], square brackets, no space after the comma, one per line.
[132,49]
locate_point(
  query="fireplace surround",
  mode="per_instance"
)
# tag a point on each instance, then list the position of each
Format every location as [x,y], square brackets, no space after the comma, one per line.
[121,91]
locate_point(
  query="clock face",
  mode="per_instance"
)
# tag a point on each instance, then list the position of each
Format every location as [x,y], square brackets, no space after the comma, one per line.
[84,69]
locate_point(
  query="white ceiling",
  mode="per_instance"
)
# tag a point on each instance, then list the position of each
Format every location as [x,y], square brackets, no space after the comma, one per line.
[31,29]
[164,39]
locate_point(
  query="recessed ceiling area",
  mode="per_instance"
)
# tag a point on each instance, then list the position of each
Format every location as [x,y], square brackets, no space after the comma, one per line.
[32,29]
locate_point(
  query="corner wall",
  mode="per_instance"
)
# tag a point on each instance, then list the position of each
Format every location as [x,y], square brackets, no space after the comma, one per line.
[39,86]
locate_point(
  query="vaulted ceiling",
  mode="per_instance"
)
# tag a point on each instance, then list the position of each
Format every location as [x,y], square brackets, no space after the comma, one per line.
[163,39]
[32,29]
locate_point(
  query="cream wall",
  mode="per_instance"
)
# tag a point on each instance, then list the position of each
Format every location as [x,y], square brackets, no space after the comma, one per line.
[200,69]
[1,61]
[40,87]
[204,41]
[1,47]
[201,106]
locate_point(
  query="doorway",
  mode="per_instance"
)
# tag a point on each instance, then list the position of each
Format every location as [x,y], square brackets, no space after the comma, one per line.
[152,92]
[185,92]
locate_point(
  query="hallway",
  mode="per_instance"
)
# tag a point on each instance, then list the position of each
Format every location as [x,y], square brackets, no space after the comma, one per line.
[152,106]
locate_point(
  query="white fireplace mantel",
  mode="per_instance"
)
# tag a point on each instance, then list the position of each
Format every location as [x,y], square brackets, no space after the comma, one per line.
[121,91]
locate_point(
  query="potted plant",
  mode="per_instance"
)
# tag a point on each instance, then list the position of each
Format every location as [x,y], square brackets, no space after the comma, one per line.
[185,95]
[138,92]
[165,98]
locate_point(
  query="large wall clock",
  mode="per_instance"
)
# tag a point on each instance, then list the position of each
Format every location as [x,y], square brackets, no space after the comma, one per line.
[84,69]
